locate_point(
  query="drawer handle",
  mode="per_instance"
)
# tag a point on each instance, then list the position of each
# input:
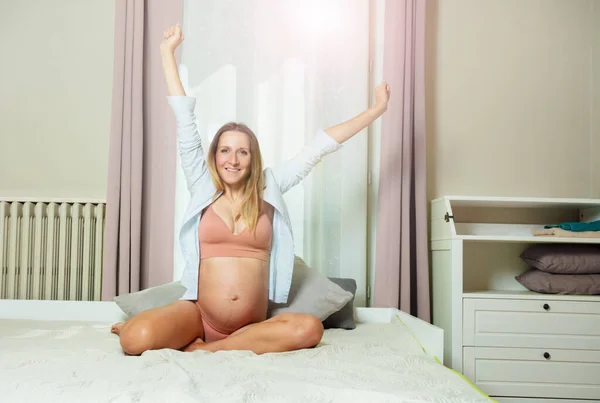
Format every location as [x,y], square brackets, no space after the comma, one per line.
[547,355]
[546,307]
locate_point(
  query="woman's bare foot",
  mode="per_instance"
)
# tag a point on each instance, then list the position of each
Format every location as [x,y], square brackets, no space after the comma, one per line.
[195,345]
[116,328]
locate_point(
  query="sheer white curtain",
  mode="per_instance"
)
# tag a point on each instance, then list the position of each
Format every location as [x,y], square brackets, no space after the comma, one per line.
[287,68]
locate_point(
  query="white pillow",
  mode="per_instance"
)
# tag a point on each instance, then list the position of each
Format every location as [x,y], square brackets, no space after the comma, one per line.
[136,302]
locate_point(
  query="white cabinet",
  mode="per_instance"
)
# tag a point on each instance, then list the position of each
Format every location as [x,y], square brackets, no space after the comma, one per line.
[514,344]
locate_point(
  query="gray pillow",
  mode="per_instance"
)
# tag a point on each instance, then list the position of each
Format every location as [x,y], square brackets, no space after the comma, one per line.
[549,283]
[136,302]
[563,258]
[344,318]
[311,293]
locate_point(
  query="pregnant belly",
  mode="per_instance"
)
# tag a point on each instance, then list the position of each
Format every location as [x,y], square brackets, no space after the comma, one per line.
[233,292]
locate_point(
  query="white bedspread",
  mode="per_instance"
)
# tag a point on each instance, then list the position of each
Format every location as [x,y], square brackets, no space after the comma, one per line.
[82,362]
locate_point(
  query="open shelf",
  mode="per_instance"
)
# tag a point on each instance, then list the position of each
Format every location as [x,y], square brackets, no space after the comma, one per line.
[509,219]
[511,233]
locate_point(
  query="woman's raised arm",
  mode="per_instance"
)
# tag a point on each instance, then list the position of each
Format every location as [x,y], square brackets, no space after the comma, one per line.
[173,37]
[289,173]
[192,156]
[346,130]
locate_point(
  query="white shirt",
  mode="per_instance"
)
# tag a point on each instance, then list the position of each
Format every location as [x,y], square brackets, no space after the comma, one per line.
[278,180]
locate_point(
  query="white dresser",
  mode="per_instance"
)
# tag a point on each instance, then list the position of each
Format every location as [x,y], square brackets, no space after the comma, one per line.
[514,344]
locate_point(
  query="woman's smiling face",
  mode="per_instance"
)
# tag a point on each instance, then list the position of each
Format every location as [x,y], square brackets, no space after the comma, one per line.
[233,157]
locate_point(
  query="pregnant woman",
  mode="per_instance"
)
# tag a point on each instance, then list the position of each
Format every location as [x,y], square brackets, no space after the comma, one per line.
[236,237]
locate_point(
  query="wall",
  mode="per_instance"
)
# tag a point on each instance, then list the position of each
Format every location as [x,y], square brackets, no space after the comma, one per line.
[509,98]
[55,97]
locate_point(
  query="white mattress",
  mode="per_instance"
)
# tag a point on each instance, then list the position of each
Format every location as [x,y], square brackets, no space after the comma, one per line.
[82,362]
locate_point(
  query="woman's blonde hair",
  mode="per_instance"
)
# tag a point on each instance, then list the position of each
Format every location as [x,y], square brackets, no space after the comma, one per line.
[251,205]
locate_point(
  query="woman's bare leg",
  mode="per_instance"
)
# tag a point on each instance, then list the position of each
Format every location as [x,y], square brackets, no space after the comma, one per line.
[285,332]
[171,326]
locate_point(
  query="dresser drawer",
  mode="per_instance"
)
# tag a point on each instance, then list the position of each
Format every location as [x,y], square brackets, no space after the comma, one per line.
[526,372]
[531,323]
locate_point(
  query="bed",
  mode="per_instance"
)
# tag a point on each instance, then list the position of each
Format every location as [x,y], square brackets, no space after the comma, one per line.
[62,351]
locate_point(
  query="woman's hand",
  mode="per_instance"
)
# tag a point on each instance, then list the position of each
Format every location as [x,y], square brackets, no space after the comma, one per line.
[347,130]
[382,96]
[173,36]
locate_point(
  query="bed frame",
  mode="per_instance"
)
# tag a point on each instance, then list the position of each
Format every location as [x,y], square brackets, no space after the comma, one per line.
[430,336]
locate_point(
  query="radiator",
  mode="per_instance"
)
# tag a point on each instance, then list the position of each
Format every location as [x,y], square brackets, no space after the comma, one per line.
[51,250]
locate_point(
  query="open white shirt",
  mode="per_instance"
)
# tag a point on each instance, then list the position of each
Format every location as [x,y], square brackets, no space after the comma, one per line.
[278,180]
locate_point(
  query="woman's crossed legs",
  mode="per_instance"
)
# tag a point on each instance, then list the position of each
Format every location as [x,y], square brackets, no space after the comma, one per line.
[179,326]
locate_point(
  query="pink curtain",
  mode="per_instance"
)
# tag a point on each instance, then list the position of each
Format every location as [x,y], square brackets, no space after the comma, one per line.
[402,266]
[138,251]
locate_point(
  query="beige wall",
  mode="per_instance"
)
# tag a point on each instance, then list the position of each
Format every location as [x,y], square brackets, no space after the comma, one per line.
[509,98]
[55,96]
